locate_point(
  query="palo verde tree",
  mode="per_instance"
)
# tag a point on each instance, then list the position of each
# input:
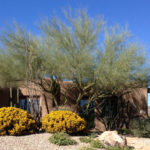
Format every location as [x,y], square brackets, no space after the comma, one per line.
[121,63]
[121,67]
[24,60]
[101,67]
[76,44]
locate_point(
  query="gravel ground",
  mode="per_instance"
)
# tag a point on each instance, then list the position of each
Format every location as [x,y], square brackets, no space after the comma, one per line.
[139,143]
[34,142]
[40,142]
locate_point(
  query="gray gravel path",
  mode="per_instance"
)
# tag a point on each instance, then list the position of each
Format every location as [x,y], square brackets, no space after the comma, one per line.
[40,142]
[34,142]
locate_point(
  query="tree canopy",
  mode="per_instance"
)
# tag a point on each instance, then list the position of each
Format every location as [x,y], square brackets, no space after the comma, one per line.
[100,60]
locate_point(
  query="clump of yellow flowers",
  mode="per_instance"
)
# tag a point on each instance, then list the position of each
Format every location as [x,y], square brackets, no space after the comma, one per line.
[15,121]
[63,121]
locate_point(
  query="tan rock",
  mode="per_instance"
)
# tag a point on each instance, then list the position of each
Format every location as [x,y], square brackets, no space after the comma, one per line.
[111,138]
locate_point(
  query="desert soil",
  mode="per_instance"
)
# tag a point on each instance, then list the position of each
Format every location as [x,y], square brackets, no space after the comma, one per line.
[139,143]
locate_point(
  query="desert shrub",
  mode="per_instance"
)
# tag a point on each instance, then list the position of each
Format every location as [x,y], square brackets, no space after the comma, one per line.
[93,135]
[119,148]
[63,121]
[89,138]
[96,144]
[140,127]
[124,131]
[85,139]
[86,148]
[62,139]
[15,121]
[88,114]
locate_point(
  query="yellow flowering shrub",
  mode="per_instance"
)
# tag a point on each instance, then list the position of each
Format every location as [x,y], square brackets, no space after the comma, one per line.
[15,121]
[63,121]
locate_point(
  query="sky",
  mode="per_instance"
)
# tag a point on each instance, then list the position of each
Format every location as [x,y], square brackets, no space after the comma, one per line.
[135,13]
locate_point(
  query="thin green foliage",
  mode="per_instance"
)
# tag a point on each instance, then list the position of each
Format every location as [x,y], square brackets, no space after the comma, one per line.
[62,139]
[96,144]
[85,139]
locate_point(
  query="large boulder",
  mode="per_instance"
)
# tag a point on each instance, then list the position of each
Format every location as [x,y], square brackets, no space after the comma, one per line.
[111,138]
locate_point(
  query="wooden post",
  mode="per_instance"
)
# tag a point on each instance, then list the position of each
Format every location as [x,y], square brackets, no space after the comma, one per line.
[10,97]
[18,102]
[10,92]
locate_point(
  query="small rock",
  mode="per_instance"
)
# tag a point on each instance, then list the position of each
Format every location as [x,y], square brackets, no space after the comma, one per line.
[111,138]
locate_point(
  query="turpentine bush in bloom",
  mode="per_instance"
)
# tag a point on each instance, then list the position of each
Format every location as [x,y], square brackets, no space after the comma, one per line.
[15,121]
[63,121]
